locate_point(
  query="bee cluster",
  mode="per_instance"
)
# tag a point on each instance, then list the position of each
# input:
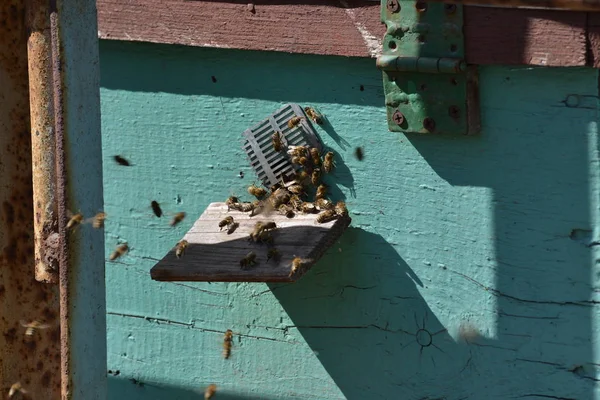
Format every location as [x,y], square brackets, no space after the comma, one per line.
[289,196]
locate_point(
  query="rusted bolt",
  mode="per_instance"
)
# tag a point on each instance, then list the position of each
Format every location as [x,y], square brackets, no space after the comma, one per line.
[454,112]
[393,6]
[429,124]
[398,117]
[421,6]
[450,8]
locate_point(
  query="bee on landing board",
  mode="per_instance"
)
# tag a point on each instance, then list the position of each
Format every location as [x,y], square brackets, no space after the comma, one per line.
[314,115]
[225,222]
[227,342]
[315,176]
[248,261]
[256,191]
[321,191]
[119,252]
[324,204]
[296,265]
[180,248]
[340,209]
[326,216]
[277,142]
[294,122]
[274,254]
[328,163]
[315,155]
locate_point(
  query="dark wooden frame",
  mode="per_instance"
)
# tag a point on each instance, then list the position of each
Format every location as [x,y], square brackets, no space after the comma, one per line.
[349,28]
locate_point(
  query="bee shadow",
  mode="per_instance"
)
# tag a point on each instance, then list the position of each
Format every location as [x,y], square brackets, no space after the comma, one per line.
[330,130]
[361,304]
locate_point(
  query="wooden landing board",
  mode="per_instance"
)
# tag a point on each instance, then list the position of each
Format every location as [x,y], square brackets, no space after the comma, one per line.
[214,256]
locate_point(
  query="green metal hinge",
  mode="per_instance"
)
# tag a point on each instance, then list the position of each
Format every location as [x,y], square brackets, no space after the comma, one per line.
[428,86]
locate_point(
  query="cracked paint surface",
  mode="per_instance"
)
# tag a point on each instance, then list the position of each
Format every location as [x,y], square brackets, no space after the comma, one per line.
[496,231]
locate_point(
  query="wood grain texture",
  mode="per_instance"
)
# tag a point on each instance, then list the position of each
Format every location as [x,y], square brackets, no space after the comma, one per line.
[213,254]
[493,230]
[345,28]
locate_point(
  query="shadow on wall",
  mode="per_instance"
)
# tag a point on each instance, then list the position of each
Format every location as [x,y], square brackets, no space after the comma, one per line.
[134,390]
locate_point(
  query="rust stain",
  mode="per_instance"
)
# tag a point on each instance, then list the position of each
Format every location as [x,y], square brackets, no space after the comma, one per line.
[23,298]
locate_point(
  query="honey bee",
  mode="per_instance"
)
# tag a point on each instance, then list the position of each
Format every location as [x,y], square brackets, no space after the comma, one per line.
[121,161]
[258,228]
[326,216]
[294,121]
[180,248]
[248,261]
[256,191]
[273,253]
[296,189]
[225,222]
[295,160]
[75,220]
[298,151]
[32,327]
[324,204]
[296,265]
[231,202]
[301,177]
[314,115]
[232,227]
[315,176]
[295,202]
[156,208]
[277,142]
[315,155]
[359,154]
[308,208]
[265,237]
[340,209]
[328,162]
[269,226]
[321,191]
[286,210]
[16,388]
[279,197]
[227,341]
[177,218]
[98,221]
[119,251]
[210,391]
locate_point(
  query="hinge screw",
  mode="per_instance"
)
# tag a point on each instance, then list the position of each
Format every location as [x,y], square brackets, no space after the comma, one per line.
[398,117]
[450,8]
[393,5]
[429,124]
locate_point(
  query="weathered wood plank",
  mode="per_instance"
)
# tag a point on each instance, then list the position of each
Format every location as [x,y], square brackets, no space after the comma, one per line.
[352,28]
[214,254]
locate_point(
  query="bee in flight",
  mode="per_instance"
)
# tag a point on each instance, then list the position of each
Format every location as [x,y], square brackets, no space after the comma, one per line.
[156,208]
[177,218]
[32,327]
[119,252]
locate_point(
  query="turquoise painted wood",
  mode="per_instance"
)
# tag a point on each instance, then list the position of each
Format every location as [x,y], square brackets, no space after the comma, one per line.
[494,230]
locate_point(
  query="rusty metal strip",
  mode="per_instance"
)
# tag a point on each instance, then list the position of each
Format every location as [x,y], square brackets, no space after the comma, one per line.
[45,224]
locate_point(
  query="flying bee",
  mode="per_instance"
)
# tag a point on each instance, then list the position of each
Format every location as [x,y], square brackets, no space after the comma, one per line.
[156,208]
[294,122]
[328,162]
[277,142]
[225,222]
[256,191]
[177,218]
[227,341]
[295,202]
[16,388]
[210,391]
[248,261]
[296,189]
[359,154]
[321,191]
[75,220]
[315,176]
[98,221]
[232,227]
[326,216]
[340,209]
[324,204]
[32,327]
[315,155]
[286,210]
[274,254]
[231,202]
[119,251]
[121,161]
[308,208]
[296,265]
[180,248]
[314,115]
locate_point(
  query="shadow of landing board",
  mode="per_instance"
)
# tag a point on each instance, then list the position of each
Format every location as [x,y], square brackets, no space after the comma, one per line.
[214,256]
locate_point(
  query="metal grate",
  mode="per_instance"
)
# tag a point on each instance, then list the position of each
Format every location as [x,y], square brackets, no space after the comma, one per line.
[269,165]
